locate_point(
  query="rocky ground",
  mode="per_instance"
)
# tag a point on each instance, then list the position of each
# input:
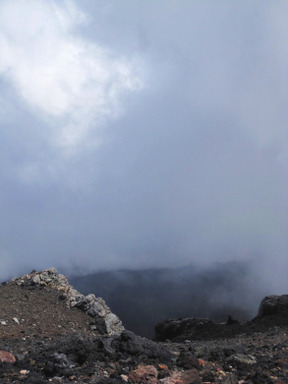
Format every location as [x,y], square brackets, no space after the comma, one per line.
[49,332]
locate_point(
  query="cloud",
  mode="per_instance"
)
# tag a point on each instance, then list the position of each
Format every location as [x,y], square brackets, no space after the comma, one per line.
[72,84]
[194,170]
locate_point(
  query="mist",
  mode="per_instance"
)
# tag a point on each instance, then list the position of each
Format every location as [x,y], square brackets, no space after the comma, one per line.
[146,136]
[215,292]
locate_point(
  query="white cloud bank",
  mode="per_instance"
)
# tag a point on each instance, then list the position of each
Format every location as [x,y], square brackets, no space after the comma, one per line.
[64,80]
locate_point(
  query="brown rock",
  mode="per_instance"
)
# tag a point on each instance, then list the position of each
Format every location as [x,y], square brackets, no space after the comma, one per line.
[7,357]
[201,362]
[187,377]
[144,374]
[190,376]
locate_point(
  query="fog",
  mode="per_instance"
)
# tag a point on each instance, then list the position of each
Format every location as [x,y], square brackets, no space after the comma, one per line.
[140,135]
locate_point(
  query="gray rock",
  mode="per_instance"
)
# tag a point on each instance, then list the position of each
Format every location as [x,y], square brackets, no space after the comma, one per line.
[273,304]
[36,280]
[113,324]
[97,308]
[283,302]
[81,302]
[268,306]
[242,359]
[135,345]
[61,360]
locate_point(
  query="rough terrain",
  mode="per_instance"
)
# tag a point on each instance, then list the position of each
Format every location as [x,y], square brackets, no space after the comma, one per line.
[49,332]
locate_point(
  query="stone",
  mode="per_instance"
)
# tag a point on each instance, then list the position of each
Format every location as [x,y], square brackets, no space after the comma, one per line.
[96,308]
[186,377]
[24,372]
[113,324]
[163,367]
[7,357]
[144,374]
[36,280]
[242,358]
[58,364]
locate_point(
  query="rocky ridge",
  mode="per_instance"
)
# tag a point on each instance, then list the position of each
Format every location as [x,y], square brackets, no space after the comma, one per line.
[49,332]
[95,307]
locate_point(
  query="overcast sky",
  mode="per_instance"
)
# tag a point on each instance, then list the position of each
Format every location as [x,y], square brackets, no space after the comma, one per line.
[144,133]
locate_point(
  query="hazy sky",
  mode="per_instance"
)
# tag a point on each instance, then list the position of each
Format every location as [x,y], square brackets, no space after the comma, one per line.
[144,133]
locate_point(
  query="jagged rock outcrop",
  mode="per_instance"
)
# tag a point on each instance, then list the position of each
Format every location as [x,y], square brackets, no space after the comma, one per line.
[273,304]
[106,321]
[171,328]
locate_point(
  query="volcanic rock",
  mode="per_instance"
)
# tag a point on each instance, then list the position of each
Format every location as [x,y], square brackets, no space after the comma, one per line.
[273,304]
[242,359]
[62,336]
[7,357]
[171,328]
[144,374]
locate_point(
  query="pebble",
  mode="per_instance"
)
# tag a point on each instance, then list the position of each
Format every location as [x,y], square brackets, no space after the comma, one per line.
[163,367]
[24,372]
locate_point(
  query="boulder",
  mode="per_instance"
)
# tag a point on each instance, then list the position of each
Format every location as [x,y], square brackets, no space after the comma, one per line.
[273,304]
[130,344]
[268,306]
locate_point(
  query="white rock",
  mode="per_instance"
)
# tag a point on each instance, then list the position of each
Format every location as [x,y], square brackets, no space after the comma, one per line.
[36,279]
